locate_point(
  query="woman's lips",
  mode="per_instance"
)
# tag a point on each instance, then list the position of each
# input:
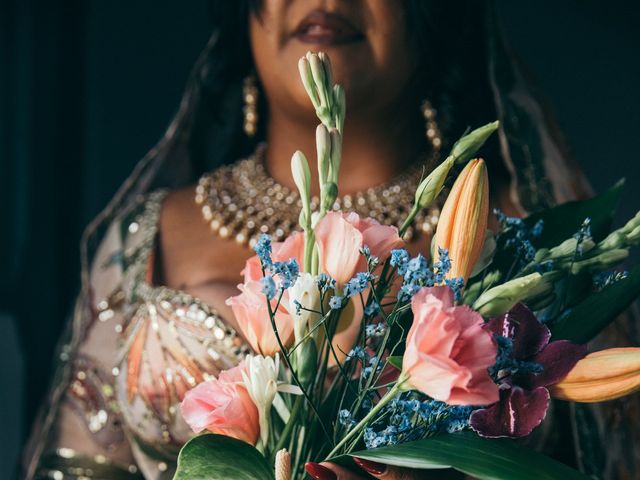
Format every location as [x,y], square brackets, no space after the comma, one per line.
[324,28]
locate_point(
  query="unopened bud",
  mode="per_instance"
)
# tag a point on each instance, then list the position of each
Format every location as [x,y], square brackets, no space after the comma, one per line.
[569,247]
[600,376]
[602,261]
[304,291]
[340,105]
[307,80]
[430,187]
[336,154]
[319,77]
[329,195]
[301,174]
[463,221]
[465,148]
[501,299]
[633,237]
[323,148]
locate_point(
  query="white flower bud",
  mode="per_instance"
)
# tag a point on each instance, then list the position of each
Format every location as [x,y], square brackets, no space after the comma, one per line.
[302,178]
[307,80]
[305,291]
[261,380]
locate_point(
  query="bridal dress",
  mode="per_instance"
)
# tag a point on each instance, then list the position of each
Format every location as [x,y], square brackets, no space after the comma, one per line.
[132,348]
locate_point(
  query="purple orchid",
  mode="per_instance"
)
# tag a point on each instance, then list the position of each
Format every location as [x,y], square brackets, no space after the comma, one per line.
[526,365]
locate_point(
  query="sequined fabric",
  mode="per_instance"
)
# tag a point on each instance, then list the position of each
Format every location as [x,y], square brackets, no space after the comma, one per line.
[142,347]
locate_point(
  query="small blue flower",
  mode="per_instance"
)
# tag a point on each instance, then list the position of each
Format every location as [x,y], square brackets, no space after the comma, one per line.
[456,285]
[263,250]
[324,281]
[583,233]
[358,284]
[375,329]
[399,260]
[268,286]
[603,280]
[443,265]
[537,229]
[345,418]
[372,309]
[288,272]
[335,303]
[298,306]
[357,352]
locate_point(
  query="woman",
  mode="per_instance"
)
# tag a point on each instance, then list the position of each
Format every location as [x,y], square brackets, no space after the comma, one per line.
[151,319]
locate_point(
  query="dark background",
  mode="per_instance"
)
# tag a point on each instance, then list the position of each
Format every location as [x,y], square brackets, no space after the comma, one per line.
[88,86]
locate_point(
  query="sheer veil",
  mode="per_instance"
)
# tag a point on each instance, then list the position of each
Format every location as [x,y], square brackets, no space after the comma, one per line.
[206,132]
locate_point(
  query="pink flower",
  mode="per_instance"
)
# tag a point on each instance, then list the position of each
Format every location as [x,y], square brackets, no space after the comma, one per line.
[340,237]
[251,313]
[448,352]
[223,406]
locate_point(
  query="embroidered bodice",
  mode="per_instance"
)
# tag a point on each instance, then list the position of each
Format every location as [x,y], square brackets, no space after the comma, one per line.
[143,346]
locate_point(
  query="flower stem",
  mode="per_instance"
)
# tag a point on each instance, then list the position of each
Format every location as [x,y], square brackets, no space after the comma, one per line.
[409,220]
[363,423]
[290,424]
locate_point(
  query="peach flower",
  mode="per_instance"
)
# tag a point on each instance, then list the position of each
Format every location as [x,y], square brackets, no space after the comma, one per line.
[223,406]
[463,222]
[340,236]
[448,352]
[251,313]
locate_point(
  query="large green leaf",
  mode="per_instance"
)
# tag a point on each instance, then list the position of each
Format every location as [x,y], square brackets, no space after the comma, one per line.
[217,457]
[563,221]
[586,319]
[478,457]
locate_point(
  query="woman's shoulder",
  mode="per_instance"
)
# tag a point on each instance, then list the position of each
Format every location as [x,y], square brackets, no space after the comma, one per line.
[190,253]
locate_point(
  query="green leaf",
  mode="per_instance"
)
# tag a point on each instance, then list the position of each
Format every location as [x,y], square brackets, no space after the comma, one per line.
[217,457]
[563,221]
[586,319]
[478,457]
[395,361]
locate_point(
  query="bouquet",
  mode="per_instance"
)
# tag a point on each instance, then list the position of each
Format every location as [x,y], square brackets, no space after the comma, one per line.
[363,350]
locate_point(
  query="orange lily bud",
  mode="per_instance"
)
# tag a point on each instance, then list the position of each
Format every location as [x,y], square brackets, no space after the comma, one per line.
[600,376]
[463,222]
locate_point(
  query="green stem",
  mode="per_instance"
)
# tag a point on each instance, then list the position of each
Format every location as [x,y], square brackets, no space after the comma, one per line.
[363,423]
[309,244]
[295,411]
[409,220]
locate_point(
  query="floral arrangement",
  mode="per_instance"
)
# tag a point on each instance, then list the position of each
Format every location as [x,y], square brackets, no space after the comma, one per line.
[363,350]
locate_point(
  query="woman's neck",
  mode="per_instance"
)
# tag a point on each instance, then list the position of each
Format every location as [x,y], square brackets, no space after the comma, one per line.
[375,147]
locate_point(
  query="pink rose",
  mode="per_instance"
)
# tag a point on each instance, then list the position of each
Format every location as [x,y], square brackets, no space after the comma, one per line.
[251,313]
[340,237]
[448,352]
[222,406]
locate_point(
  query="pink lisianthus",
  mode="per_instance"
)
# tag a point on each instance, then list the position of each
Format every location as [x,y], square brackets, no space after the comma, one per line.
[223,406]
[252,314]
[340,237]
[448,352]
[250,308]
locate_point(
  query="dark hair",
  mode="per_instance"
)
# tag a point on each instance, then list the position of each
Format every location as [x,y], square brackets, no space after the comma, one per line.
[451,38]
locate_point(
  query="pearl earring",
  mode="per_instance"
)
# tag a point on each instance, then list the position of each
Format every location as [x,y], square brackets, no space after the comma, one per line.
[250,109]
[432,131]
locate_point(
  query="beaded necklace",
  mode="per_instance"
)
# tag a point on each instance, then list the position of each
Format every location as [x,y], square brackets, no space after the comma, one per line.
[241,201]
